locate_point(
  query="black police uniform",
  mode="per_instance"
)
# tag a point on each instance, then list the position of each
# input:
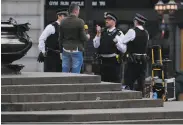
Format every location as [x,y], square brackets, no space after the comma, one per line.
[136,57]
[52,61]
[109,66]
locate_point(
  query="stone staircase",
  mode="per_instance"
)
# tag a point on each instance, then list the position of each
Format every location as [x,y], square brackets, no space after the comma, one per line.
[63,98]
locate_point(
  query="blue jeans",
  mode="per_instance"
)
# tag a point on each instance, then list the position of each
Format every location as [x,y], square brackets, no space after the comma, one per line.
[72,62]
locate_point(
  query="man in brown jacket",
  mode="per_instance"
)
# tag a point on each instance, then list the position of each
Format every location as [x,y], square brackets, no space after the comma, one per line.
[72,38]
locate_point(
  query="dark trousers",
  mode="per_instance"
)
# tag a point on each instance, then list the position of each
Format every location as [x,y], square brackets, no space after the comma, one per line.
[133,72]
[52,62]
[110,70]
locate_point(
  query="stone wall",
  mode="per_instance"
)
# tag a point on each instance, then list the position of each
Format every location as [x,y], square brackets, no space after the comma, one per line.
[23,11]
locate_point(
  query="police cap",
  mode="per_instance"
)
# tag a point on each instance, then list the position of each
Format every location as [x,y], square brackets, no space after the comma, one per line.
[140,18]
[108,15]
[62,12]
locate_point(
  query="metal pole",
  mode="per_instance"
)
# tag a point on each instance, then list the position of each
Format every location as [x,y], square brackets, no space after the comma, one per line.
[88,17]
[172,40]
[173,24]
[88,10]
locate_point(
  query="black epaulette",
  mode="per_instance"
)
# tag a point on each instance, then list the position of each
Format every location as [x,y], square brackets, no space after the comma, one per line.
[55,24]
[118,32]
[104,29]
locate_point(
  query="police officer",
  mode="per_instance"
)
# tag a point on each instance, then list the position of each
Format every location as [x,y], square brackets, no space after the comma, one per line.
[49,45]
[136,40]
[109,44]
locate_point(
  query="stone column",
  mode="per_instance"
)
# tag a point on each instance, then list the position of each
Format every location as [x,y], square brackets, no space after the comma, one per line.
[171,39]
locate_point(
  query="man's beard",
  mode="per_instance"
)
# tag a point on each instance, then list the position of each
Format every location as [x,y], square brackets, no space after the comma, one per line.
[108,26]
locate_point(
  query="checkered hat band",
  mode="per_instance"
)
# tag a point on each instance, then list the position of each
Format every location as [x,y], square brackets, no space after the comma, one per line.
[109,16]
[62,12]
[137,18]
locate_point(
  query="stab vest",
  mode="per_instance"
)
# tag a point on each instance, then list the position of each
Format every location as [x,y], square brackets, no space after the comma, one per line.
[52,41]
[107,45]
[139,44]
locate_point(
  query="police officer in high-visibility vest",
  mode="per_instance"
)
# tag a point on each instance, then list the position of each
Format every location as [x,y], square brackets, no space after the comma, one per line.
[49,47]
[136,40]
[109,45]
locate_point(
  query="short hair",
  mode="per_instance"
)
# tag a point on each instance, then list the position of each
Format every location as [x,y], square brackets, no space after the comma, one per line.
[73,7]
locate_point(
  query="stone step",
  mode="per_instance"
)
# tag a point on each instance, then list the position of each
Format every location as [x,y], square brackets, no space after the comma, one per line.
[70,96]
[169,111]
[69,105]
[154,121]
[28,78]
[58,88]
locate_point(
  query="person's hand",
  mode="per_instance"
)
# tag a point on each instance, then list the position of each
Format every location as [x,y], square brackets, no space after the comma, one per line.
[88,36]
[116,39]
[61,56]
[98,28]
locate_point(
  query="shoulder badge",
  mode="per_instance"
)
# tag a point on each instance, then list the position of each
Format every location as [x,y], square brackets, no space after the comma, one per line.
[118,32]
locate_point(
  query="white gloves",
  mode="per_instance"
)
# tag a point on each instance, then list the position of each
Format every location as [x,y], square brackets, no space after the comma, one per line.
[116,39]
